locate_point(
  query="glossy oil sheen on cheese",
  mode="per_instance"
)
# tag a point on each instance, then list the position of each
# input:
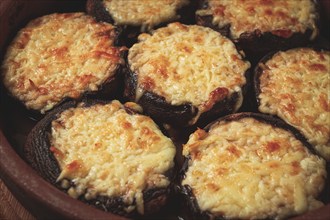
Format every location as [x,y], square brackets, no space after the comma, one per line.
[295,85]
[107,152]
[185,64]
[247,169]
[144,13]
[281,17]
[57,56]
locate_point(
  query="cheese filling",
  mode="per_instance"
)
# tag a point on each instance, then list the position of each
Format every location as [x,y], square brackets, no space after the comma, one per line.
[58,56]
[247,169]
[280,17]
[295,85]
[144,13]
[187,64]
[104,151]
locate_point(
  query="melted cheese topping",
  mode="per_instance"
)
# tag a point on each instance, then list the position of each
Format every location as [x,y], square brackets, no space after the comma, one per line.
[105,151]
[280,17]
[187,64]
[250,170]
[57,56]
[144,13]
[295,85]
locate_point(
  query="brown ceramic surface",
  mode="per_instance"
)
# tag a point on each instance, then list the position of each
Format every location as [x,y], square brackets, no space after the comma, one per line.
[38,196]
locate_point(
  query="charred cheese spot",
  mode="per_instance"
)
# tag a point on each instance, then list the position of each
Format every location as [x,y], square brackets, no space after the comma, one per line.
[100,138]
[58,56]
[169,65]
[295,86]
[217,95]
[272,146]
[144,13]
[56,152]
[280,17]
[247,169]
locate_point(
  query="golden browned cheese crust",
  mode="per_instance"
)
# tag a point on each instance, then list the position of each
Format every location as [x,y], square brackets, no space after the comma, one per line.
[188,64]
[280,17]
[58,56]
[247,169]
[107,152]
[144,13]
[295,86]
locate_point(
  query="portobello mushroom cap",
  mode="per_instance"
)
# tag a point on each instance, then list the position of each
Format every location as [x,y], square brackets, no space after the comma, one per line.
[185,75]
[106,154]
[62,56]
[135,17]
[294,85]
[250,160]
[259,27]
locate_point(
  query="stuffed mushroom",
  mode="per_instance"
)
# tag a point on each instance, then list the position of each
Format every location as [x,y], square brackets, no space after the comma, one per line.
[104,154]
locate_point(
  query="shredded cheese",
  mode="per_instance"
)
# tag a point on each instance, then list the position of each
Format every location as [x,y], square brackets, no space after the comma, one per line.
[105,151]
[144,13]
[295,85]
[187,64]
[247,169]
[58,56]
[280,17]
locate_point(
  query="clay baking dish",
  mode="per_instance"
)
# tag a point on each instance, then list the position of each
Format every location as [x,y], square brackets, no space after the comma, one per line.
[42,199]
